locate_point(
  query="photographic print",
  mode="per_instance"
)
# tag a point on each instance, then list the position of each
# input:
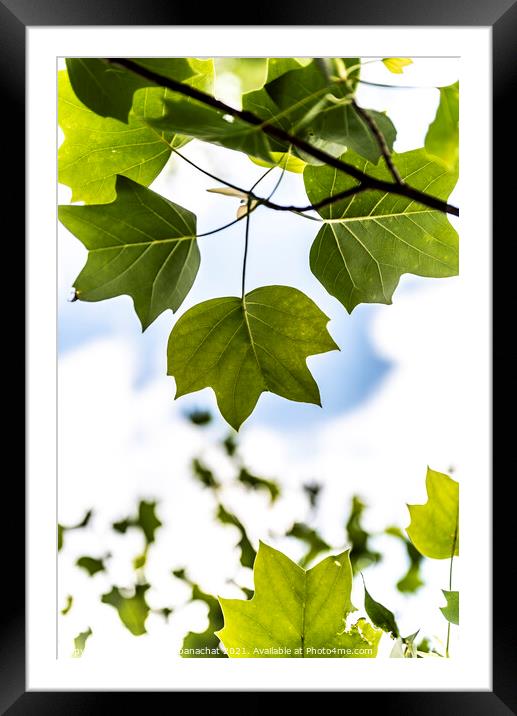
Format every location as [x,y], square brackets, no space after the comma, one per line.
[258,373]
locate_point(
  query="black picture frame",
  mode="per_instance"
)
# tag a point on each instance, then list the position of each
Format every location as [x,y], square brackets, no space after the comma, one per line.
[501,15]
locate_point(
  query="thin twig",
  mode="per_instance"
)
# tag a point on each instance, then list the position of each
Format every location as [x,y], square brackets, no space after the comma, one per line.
[280,134]
[379,137]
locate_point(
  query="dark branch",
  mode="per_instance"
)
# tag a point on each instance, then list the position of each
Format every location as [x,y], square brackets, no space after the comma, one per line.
[367,181]
[379,137]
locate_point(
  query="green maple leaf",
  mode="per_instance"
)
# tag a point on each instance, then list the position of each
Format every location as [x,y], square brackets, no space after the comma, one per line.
[96,149]
[369,240]
[296,613]
[243,347]
[108,90]
[303,101]
[452,610]
[442,137]
[142,245]
[434,526]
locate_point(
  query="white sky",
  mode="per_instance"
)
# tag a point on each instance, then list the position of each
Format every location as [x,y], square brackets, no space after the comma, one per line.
[122,438]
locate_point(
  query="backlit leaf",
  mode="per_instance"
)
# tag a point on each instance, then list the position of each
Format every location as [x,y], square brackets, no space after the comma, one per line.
[80,643]
[442,138]
[92,565]
[247,550]
[142,245]
[146,520]
[311,538]
[361,555]
[131,606]
[380,615]
[108,90]
[434,525]
[96,148]
[371,239]
[452,611]
[296,613]
[243,347]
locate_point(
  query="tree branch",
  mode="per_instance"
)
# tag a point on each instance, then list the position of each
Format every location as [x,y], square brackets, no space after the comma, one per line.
[381,141]
[368,181]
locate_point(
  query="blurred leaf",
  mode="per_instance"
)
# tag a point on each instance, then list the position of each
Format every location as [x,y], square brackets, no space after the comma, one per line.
[141,245]
[306,534]
[200,417]
[361,556]
[146,520]
[452,611]
[131,606]
[259,483]
[92,565]
[380,615]
[202,644]
[165,612]
[397,64]
[68,605]
[371,239]
[442,138]
[230,444]
[248,552]
[312,490]
[434,526]
[61,529]
[272,331]
[412,580]
[140,560]
[108,90]
[204,475]
[80,643]
[296,613]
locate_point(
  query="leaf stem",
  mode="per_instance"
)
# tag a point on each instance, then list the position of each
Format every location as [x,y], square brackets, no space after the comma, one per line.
[278,133]
[450,588]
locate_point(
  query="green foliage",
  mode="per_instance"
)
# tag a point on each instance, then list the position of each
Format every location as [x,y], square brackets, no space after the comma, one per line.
[412,579]
[243,347]
[62,529]
[442,137]
[247,550]
[361,556]
[206,643]
[80,642]
[141,244]
[380,615]
[96,149]
[146,520]
[434,525]
[200,417]
[204,475]
[452,610]
[258,484]
[371,239]
[311,538]
[131,606]
[296,613]
[312,491]
[108,90]
[119,131]
[91,565]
